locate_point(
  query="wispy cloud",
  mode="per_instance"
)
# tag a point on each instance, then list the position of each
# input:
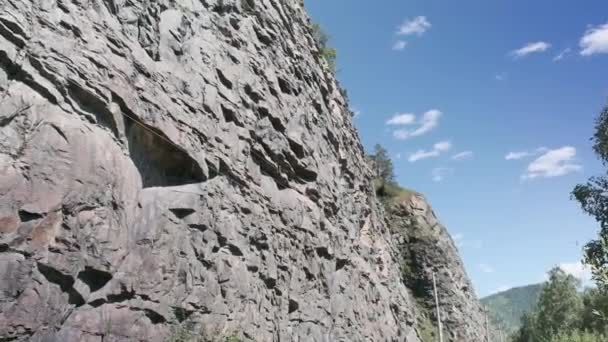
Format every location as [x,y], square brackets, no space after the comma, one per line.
[530,48]
[524,154]
[418,25]
[399,45]
[595,40]
[427,123]
[439,173]
[402,119]
[553,163]
[463,155]
[485,268]
[501,77]
[438,149]
[517,155]
[562,54]
[460,241]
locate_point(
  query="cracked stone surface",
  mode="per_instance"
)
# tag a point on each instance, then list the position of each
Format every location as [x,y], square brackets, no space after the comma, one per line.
[179,164]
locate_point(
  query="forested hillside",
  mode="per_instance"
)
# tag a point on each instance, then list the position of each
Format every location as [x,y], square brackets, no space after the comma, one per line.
[506,308]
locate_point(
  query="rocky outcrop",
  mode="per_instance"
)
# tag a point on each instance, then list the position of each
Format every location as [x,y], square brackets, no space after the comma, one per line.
[173,169]
[427,249]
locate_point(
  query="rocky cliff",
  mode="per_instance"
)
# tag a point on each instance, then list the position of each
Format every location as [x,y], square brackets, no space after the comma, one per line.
[178,170]
[427,249]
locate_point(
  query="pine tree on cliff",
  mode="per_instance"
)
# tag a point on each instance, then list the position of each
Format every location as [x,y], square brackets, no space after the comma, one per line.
[383,165]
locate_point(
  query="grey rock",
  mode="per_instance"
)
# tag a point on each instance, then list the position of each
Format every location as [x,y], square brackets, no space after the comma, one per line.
[185,167]
[427,249]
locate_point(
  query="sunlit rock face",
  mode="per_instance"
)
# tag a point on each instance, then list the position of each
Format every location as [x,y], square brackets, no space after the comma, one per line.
[185,168]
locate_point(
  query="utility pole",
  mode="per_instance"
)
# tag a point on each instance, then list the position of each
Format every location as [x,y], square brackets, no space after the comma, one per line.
[485,312]
[437,306]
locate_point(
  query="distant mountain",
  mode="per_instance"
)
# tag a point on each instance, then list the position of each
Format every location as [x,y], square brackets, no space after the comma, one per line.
[507,307]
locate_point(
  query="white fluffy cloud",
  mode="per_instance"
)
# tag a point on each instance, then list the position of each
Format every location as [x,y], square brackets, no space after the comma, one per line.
[529,48]
[439,173]
[399,45]
[562,54]
[427,123]
[418,26]
[595,40]
[402,119]
[463,155]
[485,268]
[578,270]
[438,149]
[553,163]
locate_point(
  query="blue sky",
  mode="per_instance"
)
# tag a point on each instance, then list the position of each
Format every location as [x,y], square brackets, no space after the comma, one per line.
[482,79]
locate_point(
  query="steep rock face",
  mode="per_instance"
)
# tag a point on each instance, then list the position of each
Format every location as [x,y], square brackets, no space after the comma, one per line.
[427,248]
[184,168]
[183,161]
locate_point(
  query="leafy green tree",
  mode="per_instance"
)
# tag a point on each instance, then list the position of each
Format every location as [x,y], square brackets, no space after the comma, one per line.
[527,331]
[593,198]
[595,314]
[559,310]
[560,305]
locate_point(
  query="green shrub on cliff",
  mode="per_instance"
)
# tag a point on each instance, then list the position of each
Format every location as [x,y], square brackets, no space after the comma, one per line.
[329,53]
[385,185]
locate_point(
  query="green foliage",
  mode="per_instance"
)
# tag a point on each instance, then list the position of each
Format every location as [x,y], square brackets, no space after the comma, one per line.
[578,336]
[559,306]
[595,315]
[329,53]
[507,308]
[184,332]
[321,38]
[527,331]
[426,329]
[391,192]
[593,198]
[383,165]
[385,186]
[232,338]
